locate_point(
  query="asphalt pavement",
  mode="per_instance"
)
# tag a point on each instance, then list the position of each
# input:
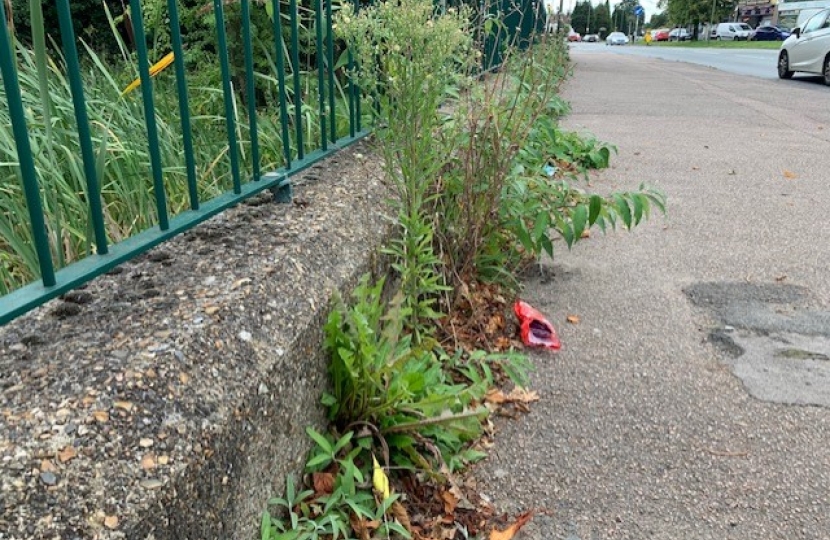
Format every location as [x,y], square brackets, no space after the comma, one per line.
[690,401]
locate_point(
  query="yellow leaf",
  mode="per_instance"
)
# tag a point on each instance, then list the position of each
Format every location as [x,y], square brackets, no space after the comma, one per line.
[154,70]
[123,405]
[573,319]
[379,479]
[790,175]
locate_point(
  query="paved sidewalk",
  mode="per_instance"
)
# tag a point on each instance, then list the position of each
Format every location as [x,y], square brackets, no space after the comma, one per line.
[643,430]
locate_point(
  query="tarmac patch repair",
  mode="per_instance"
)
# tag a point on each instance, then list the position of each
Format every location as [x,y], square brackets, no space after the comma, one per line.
[776,342]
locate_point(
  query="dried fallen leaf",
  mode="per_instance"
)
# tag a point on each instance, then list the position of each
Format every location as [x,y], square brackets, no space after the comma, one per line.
[359,526]
[450,502]
[790,175]
[573,319]
[522,395]
[695,168]
[585,234]
[67,454]
[402,516]
[148,462]
[323,483]
[111,522]
[495,395]
[101,416]
[211,310]
[511,531]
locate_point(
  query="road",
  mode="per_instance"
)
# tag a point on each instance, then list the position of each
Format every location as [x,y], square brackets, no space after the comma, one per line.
[691,400]
[753,62]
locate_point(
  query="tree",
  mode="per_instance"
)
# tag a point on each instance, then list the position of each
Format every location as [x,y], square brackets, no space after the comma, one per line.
[624,20]
[601,19]
[659,20]
[681,12]
[579,17]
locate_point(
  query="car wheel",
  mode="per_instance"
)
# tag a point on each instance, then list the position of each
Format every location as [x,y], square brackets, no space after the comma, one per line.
[784,66]
[826,70]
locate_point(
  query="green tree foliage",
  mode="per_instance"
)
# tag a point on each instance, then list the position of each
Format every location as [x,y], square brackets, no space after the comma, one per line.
[686,11]
[600,19]
[659,20]
[623,18]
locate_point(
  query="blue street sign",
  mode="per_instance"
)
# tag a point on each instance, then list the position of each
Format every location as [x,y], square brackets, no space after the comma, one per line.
[638,10]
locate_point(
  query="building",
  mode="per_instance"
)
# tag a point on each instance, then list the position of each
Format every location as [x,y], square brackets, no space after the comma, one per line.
[792,14]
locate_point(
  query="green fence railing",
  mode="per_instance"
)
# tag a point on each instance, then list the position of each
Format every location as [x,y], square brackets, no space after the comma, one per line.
[282,109]
[92,175]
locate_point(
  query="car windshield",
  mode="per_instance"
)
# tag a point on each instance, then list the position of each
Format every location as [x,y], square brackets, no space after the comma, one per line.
[744,27]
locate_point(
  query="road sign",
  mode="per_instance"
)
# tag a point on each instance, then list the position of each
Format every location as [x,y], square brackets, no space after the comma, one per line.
[638,10]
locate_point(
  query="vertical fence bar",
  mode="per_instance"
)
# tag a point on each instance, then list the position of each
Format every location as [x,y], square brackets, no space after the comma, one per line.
[230,123]
[184,108]
[330,62]
[149,112]
[250,89]
[295,68]
[358,93]
[352,94]
[321,74]
[73,69]
[278,38]
[24,154]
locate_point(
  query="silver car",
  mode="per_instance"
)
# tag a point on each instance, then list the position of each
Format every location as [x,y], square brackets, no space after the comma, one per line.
[808,48]
[616,38]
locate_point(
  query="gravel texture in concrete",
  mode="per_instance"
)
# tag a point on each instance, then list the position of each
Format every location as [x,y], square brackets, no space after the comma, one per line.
[643,430]
[168,400]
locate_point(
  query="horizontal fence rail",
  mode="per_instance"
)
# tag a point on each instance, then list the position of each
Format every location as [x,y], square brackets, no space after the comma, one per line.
[96,170]
[72,189]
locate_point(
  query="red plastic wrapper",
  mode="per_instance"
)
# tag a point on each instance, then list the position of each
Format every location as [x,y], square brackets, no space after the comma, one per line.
[535,329]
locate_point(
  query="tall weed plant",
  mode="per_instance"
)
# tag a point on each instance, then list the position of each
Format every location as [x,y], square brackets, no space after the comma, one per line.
[410,60]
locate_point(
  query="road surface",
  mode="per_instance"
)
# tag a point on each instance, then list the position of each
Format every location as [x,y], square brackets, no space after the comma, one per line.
[691,399]
[754,62]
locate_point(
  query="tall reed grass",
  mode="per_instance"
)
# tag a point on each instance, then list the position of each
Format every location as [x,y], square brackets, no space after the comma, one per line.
[121,149]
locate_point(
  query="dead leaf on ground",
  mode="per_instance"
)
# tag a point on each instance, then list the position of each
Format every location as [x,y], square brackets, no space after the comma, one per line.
[450,502]
[495,396]
[790,175]
[111,522]
[522,395]
[585,234]
[323,483]
[101,416]
[68,453]
[573,319]
[511,531]
[695,168]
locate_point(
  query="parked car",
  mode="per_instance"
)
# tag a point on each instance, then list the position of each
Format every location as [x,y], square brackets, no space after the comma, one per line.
[660,35]
[679,34]
[591,38]
[733,31]
[574,36]
[616,38]
[769,33]
[807,49]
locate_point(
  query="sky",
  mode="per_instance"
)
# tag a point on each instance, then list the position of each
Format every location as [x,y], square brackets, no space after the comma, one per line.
[649,5]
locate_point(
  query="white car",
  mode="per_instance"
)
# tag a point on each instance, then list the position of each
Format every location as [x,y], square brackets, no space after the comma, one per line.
[679,34]
[807,49]
[734,31]
[616,38]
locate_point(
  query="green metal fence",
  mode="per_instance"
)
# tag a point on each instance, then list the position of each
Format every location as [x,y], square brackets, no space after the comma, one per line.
[243,160]
[309,95]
